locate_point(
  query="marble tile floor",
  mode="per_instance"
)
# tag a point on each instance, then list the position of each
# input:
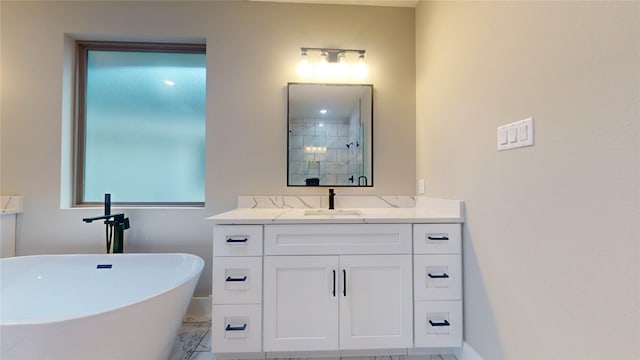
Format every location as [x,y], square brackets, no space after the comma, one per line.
[194,343]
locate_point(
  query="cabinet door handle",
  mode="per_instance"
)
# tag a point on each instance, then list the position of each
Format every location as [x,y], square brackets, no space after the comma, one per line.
[236,328]
[229,278]
[334,283]
[443,276]
[232,240]
[435,324]
[443,237]
[344,282]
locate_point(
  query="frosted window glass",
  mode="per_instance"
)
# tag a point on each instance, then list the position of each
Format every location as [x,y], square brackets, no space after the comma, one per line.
[145,127]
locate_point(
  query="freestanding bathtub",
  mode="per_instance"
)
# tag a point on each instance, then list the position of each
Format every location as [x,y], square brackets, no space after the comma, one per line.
[112,307]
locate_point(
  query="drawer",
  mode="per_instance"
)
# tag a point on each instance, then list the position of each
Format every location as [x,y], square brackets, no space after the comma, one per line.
[337,239]
[237,280]
[236,328]
[437,277]
[437,238]
[237,240]
[438,324]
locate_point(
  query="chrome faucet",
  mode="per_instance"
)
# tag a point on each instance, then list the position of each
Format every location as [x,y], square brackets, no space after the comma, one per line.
[332,197]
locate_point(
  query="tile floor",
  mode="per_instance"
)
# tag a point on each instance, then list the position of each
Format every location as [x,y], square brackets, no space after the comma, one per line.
[194,343]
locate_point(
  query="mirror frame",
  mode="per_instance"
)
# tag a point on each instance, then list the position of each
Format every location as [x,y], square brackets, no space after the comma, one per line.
[369,140]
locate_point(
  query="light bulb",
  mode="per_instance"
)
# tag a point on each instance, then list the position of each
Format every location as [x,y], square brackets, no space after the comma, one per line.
[304,68]
[323,67]
[361,70]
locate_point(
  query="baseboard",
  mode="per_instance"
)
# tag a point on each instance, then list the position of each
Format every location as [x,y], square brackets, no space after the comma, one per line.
[466,352]
[199,310]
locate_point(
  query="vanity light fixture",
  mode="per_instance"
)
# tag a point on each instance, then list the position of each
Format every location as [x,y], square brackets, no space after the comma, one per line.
[333,63]
[323,111]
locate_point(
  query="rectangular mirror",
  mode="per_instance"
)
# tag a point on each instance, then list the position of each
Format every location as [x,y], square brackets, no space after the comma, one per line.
[330,135]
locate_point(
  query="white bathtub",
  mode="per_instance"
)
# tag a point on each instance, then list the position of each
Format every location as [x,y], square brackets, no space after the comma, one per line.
[65,307]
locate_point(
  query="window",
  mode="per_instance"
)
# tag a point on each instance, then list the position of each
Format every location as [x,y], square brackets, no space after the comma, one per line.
[140,123]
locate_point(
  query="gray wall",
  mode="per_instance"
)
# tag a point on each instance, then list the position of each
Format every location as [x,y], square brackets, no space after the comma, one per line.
[551,248]
[253,50]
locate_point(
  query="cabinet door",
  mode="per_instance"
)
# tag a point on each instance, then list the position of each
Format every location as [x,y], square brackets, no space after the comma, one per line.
[300,303]
[376,305]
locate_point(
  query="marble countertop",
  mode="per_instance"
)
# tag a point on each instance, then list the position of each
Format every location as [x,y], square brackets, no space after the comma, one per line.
[425,210]
[11,204]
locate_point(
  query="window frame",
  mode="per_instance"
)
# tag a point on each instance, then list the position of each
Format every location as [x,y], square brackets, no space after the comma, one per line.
[82,48]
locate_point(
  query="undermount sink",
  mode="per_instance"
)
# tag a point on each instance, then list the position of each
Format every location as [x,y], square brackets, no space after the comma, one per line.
[333,212]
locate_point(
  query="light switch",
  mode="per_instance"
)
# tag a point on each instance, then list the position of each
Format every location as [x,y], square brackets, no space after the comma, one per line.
[515,135]
[502,136]
[512,135]
[522,132]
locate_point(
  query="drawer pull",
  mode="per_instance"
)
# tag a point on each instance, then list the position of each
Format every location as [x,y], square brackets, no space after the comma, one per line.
[443,276]
[344,283]
[443,237]
[232,240]
[229,278]
[236,328]
[334,283]
[435,324]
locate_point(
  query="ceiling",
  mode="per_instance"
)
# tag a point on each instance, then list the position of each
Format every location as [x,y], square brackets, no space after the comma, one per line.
[391,3]
[396,3]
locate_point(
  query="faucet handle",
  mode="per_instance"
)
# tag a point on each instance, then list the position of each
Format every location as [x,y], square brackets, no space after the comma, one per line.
[332,195]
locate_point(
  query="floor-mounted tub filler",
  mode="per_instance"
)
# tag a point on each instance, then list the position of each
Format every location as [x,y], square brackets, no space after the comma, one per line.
[124,306]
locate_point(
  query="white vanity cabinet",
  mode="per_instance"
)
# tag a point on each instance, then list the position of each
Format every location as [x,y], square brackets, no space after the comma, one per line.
[337,302]
[437,283]
[316,298]
[301,305]
[237,288]
[290,287]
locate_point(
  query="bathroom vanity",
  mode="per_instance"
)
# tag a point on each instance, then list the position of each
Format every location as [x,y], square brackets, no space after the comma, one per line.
[358,281]
[10,208]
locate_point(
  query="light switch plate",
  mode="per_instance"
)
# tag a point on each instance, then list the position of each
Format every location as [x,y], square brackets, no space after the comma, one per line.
[515,135]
